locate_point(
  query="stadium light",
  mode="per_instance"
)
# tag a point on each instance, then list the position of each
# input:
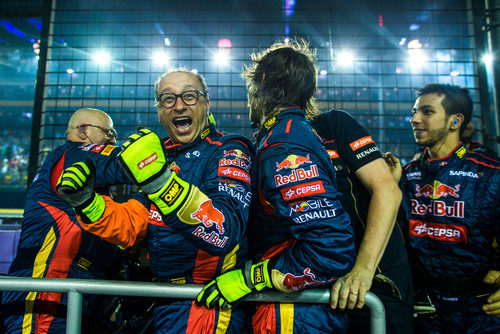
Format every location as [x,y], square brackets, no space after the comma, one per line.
[222,57]
[323,72]
[160,57]
[488,59]
[70,71]
[345,58]
[417,58]
[454,73]
[102,57]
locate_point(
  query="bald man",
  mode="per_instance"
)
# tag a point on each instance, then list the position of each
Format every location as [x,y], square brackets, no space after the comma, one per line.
[52,244]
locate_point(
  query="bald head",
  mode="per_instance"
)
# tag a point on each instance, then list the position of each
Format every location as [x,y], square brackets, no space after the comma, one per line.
[89,125]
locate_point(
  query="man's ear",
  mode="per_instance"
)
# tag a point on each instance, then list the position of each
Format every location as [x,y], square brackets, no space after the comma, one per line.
[81,133]
[457,121]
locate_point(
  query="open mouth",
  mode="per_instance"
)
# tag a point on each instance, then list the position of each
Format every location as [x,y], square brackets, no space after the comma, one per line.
[182,124]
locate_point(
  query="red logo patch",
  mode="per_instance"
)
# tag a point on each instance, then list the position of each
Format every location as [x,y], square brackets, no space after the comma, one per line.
[147,161]
[97,149]
[234,173]
[355,145]
[442,232]
[302,190]
[333,154]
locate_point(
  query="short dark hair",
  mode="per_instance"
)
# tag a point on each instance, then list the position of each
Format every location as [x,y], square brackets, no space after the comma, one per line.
[201,79]
[456,100]
[284,75]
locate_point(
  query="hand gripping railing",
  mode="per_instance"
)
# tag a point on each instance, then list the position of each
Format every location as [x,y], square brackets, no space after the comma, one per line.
[75,288]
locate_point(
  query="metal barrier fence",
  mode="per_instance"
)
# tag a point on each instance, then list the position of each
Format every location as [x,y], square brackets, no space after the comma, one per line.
[75,288]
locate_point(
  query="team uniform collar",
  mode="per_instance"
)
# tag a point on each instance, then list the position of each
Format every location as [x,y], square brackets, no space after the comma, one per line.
[273,119]
[456,155]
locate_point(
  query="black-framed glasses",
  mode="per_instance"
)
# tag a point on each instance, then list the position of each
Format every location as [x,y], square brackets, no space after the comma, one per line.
[110,132]
[189,97]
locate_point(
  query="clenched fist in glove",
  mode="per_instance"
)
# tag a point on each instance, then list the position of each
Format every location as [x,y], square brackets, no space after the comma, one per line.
[230,288]
[76,186]
[143,159]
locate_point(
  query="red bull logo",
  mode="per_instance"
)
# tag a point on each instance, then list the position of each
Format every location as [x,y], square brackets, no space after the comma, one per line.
[238,154]
[296,175]
[292,161]
[437,190]
[438,208]
[208,215]
[295,283]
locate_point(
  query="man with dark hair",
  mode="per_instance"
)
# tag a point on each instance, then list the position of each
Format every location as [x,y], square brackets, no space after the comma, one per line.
[371,197]
[452,210]
[193,206]
[52,244]
[299,234]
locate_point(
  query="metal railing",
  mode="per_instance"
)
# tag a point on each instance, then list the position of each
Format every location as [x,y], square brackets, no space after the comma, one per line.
[75,288]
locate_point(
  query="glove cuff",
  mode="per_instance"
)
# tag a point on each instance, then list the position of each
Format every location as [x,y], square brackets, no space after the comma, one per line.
[171,195]
[92,209]
[260,274]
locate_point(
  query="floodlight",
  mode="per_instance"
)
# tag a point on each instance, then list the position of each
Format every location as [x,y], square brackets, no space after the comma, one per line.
[345,58]
[488,59]
[222,57]
[102,57]
[160,57]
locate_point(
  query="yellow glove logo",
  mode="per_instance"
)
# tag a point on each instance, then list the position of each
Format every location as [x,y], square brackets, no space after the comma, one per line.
[172,192]
[147,161]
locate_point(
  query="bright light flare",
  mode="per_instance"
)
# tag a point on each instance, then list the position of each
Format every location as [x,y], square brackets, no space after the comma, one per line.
[160,57]
[102,57]
[345,58]
[488,59]
[417,58]
[222,57]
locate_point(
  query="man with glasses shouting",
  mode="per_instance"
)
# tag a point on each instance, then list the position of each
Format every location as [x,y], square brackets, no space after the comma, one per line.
[193,207]
[52,244]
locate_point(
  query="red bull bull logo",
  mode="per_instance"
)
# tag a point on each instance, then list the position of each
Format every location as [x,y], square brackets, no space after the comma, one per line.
[208,215]
[295,283]
[292,161]
[238,154]
[437,190]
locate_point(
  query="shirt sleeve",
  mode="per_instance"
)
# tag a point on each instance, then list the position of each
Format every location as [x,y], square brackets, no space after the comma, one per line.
[356,146]
[108,172]
[300,188]
[121,223]
[214,215]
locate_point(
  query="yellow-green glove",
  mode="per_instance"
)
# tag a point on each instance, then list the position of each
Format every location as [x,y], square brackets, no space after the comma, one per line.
[231,288]
[76,186]
[143,159]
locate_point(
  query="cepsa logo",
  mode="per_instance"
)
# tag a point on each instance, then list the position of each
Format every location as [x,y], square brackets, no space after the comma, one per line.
[234,173]
[355,145]
[292,161]
[333,154]
[238,154]
[442,232]
[147,161]
[437,190]
[302,190]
